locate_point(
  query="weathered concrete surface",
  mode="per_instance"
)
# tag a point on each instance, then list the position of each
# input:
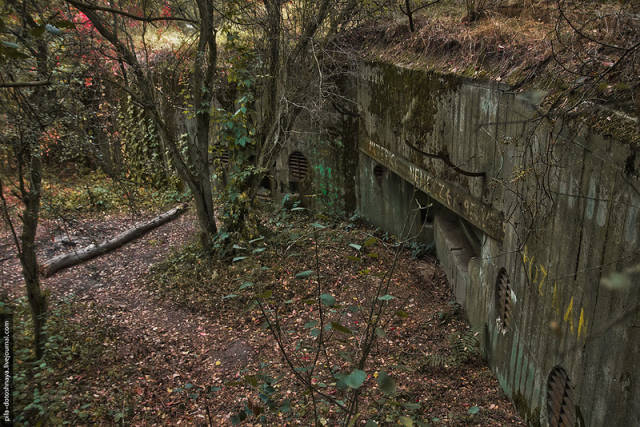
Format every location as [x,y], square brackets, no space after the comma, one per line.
[557,208]
[332,154]
[392,203]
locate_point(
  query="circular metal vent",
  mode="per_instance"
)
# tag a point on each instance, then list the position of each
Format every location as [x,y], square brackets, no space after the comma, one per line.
[503,299]
[561,407]
[378,173]
[298,166]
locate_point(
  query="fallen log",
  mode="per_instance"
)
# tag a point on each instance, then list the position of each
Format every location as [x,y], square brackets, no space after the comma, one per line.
[59,262]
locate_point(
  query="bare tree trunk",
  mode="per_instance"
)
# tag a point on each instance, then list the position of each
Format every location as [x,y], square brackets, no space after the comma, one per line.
[59,262]
[37,299]
[206,215]
[407,4]
[25,244]
[202,91]
[31,199]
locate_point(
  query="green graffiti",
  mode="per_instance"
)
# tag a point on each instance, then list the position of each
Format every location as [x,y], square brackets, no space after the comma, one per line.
[331,192]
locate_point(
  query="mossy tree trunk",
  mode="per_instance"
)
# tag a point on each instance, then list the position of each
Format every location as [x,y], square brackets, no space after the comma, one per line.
[29,115]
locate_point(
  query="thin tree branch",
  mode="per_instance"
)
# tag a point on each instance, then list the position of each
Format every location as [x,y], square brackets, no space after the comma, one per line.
[444,156]
[24,84]
[431,3]
[7,218]
[130,15]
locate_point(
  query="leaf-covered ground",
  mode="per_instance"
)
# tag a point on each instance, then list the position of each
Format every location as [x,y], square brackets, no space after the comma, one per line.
[182,343]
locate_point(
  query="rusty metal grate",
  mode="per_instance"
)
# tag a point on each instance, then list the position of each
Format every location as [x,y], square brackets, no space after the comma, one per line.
[503,299]
[298,166]
[560,404]
[378,173]
[225,158]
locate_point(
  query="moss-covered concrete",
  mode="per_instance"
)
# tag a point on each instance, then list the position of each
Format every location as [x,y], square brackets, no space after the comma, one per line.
[569,202]
[554,204]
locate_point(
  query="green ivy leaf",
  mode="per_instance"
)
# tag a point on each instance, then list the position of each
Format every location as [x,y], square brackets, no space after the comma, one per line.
[265,294]
[386,383]
[328,300]
[53,29]
[356,247]
[370,242]
[411,406]
[304,274]
[10,45]
[474,410]
[251,380]
[242,141]
[237,419]
[405,421]
[338,327]
[245,285]
[238,258]
[285,406]
[355,379]
[386,297]
[380,333]
[315,332]
[402,314]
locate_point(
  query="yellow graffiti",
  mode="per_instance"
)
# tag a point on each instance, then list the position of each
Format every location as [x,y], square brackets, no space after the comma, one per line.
[567,314]
[538,274]
[581,323]
[530,264]
[525,258]
[544,276]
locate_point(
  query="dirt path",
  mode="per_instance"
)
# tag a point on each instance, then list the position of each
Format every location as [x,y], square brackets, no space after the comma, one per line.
[158,357]
[161,343]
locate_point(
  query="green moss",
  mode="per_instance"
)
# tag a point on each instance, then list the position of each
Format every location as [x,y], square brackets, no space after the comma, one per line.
[610,124]
[621,86]
[532,416]
[416,115]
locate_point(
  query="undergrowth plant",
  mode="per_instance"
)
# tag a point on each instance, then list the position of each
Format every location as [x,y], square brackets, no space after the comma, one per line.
[41,388]
[97,193]
[329,369]
[332,358]
[463,348]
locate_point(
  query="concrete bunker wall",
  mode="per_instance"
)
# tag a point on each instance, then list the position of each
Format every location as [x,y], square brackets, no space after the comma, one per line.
[393,204]
[332,163]
[557,210]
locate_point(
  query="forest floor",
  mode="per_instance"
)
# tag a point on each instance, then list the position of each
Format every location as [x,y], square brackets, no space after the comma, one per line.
[154,333]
